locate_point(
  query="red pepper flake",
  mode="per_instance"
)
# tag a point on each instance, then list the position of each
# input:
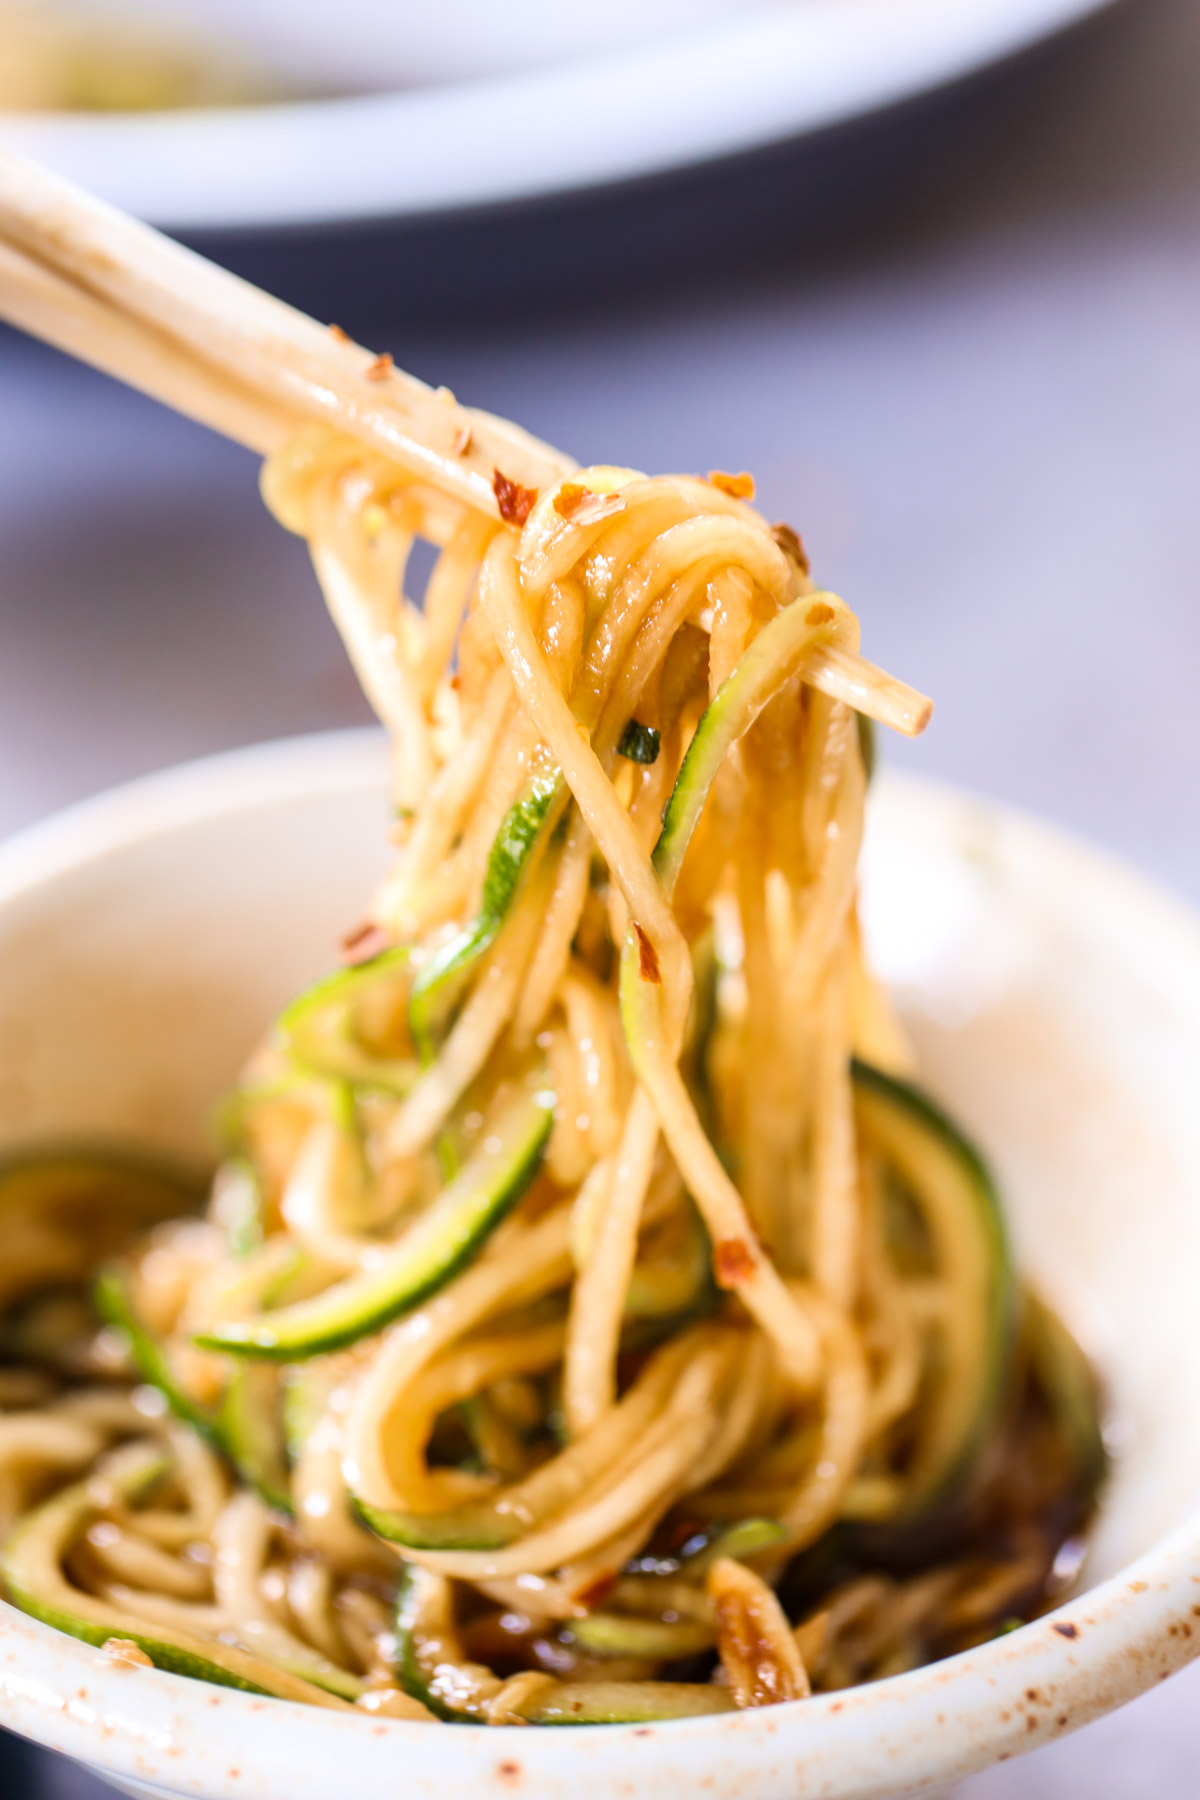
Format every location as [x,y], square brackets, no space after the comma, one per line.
[648,967]
[569,498]
[818,613]
[738,487]
[733,1263]
[583,506]
[672,1537]
[364,942]
[462,440]
[792,544]
[381,367]
[593,1592]
[514,501]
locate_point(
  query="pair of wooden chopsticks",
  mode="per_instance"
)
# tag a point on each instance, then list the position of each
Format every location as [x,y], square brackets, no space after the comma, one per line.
[114,293]
[127,299]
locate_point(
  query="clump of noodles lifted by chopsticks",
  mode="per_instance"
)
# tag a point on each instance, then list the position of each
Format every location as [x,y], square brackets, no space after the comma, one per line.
[590,1320]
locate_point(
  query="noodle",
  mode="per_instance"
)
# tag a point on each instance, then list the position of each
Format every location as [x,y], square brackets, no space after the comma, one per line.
[584,1277]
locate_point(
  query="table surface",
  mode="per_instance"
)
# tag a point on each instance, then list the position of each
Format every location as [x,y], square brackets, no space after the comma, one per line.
[975,395]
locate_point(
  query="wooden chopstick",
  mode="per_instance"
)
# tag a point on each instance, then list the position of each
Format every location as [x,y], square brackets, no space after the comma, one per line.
[89,279]
[47,306]
[844,675]
[242,340]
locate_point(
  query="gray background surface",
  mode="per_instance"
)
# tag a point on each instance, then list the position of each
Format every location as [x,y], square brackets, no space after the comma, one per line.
[974,390]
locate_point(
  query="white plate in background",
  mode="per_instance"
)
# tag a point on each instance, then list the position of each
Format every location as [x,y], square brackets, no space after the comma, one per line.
[471,103]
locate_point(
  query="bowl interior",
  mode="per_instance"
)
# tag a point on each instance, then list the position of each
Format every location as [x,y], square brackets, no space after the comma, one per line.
[1054,999]
[147,939]
[144,960]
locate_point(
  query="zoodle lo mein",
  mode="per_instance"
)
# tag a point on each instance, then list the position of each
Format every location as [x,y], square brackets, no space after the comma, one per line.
[590,1319]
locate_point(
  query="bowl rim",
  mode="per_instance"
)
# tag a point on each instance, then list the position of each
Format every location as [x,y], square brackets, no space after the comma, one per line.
[938,1723]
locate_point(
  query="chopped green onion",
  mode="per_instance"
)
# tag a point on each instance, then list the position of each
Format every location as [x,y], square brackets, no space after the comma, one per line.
[639,743]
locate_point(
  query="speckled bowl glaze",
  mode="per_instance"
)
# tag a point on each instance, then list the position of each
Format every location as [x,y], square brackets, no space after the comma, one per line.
[146,937]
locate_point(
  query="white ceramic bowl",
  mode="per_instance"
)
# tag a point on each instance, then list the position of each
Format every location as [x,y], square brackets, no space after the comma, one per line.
[145,938]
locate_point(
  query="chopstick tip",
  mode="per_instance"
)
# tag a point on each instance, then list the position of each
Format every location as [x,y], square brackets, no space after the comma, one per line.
[920,716]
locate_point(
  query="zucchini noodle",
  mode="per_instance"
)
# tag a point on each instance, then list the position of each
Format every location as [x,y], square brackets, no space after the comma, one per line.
[590,1320]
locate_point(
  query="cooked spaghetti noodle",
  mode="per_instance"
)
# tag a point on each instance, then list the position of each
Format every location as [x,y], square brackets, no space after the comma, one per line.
[590,1320]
